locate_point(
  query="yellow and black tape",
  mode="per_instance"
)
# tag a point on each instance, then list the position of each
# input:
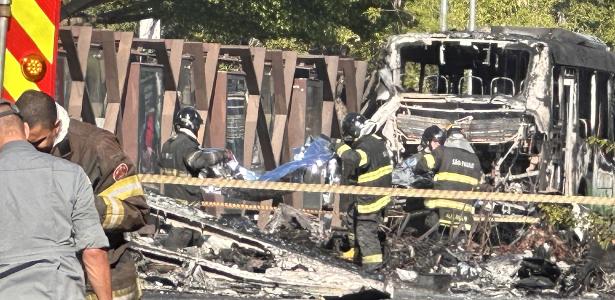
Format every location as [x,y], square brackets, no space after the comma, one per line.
[378,191]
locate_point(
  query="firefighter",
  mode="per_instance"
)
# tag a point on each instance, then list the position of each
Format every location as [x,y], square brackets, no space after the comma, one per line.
[365,162]
[432,138]
[456,167]
[177,154]
[119,200]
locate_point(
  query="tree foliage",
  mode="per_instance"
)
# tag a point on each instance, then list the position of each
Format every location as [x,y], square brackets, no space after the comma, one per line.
[332,26]
[327,26]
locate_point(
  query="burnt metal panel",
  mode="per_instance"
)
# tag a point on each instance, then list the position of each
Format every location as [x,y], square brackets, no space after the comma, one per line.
[360,76]
[116,70]
[195,50]
[173,64]
[328,110]
[254,76]
[498,129]
[77,58]
[123,58]
[112,83]
[215,133]
[290,63]
[76,55]
[175,48]
[130,138]
[350,84]
[252,63]
[198,71]
[327,67]
[265,140]
[211,71]
[250,128]
[296,131]
[282,69]
[162,57]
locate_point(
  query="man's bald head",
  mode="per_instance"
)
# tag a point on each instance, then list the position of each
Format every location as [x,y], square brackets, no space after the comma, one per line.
[12,128]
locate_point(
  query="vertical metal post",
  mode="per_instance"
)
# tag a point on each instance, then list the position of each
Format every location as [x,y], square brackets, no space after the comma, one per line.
[5,14]
[472,25]
[443,15]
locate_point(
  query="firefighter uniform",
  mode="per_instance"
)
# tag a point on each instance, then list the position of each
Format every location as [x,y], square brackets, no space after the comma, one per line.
[367,163]
[120,200]
[456,167]
[175,154]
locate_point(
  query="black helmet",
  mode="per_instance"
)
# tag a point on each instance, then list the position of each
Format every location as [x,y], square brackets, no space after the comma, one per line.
[352,125]
[188,118]
[432,133]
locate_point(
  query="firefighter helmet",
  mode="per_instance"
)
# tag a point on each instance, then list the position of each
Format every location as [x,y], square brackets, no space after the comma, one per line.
[188,118]
[352,126]
[432,133]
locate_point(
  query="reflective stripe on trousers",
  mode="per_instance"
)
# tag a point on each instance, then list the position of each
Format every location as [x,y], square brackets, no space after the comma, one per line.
[374,206]
[447,176]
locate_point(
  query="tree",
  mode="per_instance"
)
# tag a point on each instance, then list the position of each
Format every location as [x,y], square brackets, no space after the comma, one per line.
[331,26]
[320,25]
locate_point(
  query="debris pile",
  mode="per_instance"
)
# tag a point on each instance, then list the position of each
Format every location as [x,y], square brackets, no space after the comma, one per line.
[538,262]
[192,252]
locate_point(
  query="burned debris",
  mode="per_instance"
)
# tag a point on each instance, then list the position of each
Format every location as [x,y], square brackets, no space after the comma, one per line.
[236,259]
[512,92]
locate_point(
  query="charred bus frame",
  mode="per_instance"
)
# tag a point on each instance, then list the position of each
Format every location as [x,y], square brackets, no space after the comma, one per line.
[527,98]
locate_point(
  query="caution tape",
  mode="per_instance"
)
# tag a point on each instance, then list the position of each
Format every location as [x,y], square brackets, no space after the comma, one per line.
[258,207]
[376,191]
[507,219]
[481,218]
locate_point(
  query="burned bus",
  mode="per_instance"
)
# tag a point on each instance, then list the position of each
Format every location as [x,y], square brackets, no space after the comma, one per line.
[528,99]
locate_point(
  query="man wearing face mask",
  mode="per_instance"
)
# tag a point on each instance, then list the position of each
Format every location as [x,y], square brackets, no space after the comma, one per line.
[119,200]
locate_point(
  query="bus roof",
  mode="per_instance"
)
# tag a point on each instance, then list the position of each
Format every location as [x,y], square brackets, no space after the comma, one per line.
[568,48]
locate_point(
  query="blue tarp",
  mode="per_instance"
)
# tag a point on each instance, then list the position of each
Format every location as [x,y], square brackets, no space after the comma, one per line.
[317,153]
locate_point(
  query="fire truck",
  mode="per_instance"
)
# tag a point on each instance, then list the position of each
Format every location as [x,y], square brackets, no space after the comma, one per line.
[28,46]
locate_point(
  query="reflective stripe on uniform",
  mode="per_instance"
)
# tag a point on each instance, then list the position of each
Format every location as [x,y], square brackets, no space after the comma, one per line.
[113,197]
[348,255]
[374,206]
[342,149]
[448,223]
[372,259]
[431,161]
[447,176]
[363,156]
[445,203]
[374,175]
[114,213]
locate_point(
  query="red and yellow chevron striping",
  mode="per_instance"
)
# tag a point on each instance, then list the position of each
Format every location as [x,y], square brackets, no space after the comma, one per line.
[31,47]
